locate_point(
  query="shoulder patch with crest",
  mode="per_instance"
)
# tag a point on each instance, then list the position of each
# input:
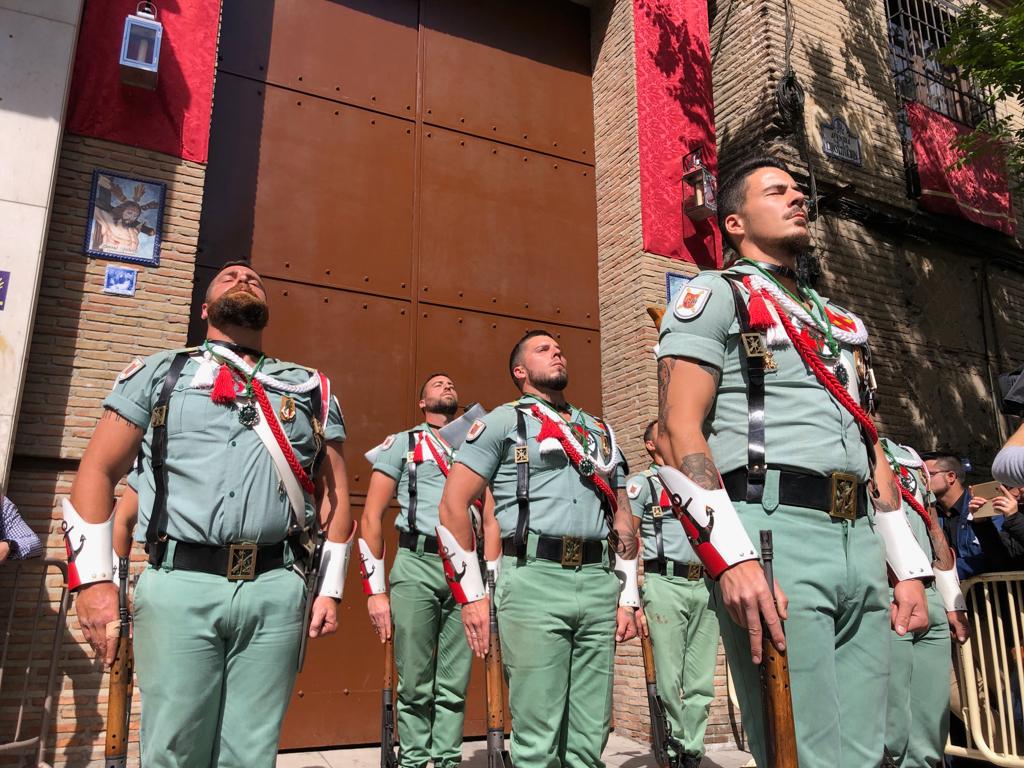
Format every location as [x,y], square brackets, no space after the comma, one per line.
[388,442]
[475,431]
[633,490]
[691,302]
[131,369]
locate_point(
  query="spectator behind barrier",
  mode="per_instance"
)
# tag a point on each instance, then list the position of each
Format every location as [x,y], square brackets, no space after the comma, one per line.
[17,540]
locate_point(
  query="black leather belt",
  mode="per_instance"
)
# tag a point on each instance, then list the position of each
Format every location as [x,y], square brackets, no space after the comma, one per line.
[235,562]
[410,540]
[840,494]
[570,551]
[690,571]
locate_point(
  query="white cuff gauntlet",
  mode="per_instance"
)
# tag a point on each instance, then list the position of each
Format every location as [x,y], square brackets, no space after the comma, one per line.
[629,589]
[902,552]
[89,548]
[710,521]
[461,568]
[372,570]
[948,584]
[333,565]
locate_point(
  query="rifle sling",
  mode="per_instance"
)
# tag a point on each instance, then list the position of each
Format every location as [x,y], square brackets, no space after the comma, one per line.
[156,539]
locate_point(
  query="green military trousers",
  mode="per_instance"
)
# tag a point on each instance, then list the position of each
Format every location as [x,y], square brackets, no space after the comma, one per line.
[433,661]
[557,628]
[684,633]
[837,634]
[917,722]
[216,662]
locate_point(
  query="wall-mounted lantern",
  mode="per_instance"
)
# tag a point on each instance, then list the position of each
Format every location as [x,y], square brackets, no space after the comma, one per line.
[140,47]
[698,188]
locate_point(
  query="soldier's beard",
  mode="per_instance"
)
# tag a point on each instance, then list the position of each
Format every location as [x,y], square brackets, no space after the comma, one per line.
[553,381]
[240,308]
[445,406]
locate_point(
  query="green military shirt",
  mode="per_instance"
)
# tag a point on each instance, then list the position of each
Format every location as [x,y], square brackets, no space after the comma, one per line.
[562,503]
[676,545]
[222,485]
[806,428]
[392,461]
[913,480]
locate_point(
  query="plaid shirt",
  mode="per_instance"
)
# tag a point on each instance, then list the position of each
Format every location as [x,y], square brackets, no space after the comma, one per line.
[24,542]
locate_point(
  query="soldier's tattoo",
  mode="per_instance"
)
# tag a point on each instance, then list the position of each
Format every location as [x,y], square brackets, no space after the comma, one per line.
[891,501]
[110,413]
[711,371]
[665,366]
[626,543]
[944,557]
[701,469]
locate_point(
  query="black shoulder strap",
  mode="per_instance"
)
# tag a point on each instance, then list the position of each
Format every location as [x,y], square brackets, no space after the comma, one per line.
[410,465]
[656,514]
[156,536]
[522,459]
[754,350]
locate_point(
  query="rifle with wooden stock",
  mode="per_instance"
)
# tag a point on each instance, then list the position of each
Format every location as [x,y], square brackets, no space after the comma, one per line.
[776,698]
[664,744]
[388,752]
[497,755]
[119,700]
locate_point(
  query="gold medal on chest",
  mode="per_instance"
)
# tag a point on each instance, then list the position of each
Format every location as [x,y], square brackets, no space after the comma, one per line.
[287,411]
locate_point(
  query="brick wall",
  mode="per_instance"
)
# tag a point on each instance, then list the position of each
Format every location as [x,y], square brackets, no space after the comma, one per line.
[82,339]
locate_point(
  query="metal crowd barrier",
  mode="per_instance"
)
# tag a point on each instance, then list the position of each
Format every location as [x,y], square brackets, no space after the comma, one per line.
[26,703]
[990,672]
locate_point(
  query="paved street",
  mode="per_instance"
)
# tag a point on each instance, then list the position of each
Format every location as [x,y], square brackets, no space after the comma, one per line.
[621,753]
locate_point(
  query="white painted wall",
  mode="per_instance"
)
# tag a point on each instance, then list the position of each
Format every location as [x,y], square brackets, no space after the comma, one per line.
[37,49]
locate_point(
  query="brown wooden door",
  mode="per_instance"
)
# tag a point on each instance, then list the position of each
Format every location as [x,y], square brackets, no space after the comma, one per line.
[416,182]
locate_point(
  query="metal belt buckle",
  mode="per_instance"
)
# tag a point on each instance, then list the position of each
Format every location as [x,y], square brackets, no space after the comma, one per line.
[844,496]
[522,454]
[657,511]
[694,572]
[159,417]
[572,551]
[241,562]
[754,346]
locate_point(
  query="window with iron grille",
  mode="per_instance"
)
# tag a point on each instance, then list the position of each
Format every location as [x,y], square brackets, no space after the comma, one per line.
[918,29]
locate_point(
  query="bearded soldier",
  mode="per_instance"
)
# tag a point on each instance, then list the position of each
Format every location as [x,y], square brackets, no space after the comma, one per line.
[241,459]
[917,720]
[557,479]
[682,625]
[763,386]
[431,654]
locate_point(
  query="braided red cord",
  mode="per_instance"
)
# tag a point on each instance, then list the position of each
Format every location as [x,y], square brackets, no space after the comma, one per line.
[915,505]
[548,428]
[282,440]
[442,464]
[824,375]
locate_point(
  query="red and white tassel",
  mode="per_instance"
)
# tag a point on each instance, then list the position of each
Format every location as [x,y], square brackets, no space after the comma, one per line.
[223,387]
[760,317]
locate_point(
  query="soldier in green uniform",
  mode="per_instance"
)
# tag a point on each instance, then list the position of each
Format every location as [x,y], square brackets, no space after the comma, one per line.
[431,654]
[917,720]
[557,481]
[241,456]
[763,386]
[682,626]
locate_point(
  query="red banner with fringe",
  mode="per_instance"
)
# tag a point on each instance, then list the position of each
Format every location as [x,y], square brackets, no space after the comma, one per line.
[675,115]
[978,191]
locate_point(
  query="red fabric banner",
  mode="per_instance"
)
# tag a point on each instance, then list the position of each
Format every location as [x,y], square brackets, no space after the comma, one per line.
[174,118]
[675,115]
[978,191]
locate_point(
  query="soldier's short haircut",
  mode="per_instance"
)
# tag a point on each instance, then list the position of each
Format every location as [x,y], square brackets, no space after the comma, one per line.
[431,377]
[516,356]
[227,265]
[945,462]
[733,189]
[649,431]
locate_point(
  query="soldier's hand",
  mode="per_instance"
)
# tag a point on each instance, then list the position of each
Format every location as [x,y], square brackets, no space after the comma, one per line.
[625,624]
[909,609]
[379,608]
[476,620]
[641,622]
[323,618]
[959,627]
[97,609]
[748,600]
